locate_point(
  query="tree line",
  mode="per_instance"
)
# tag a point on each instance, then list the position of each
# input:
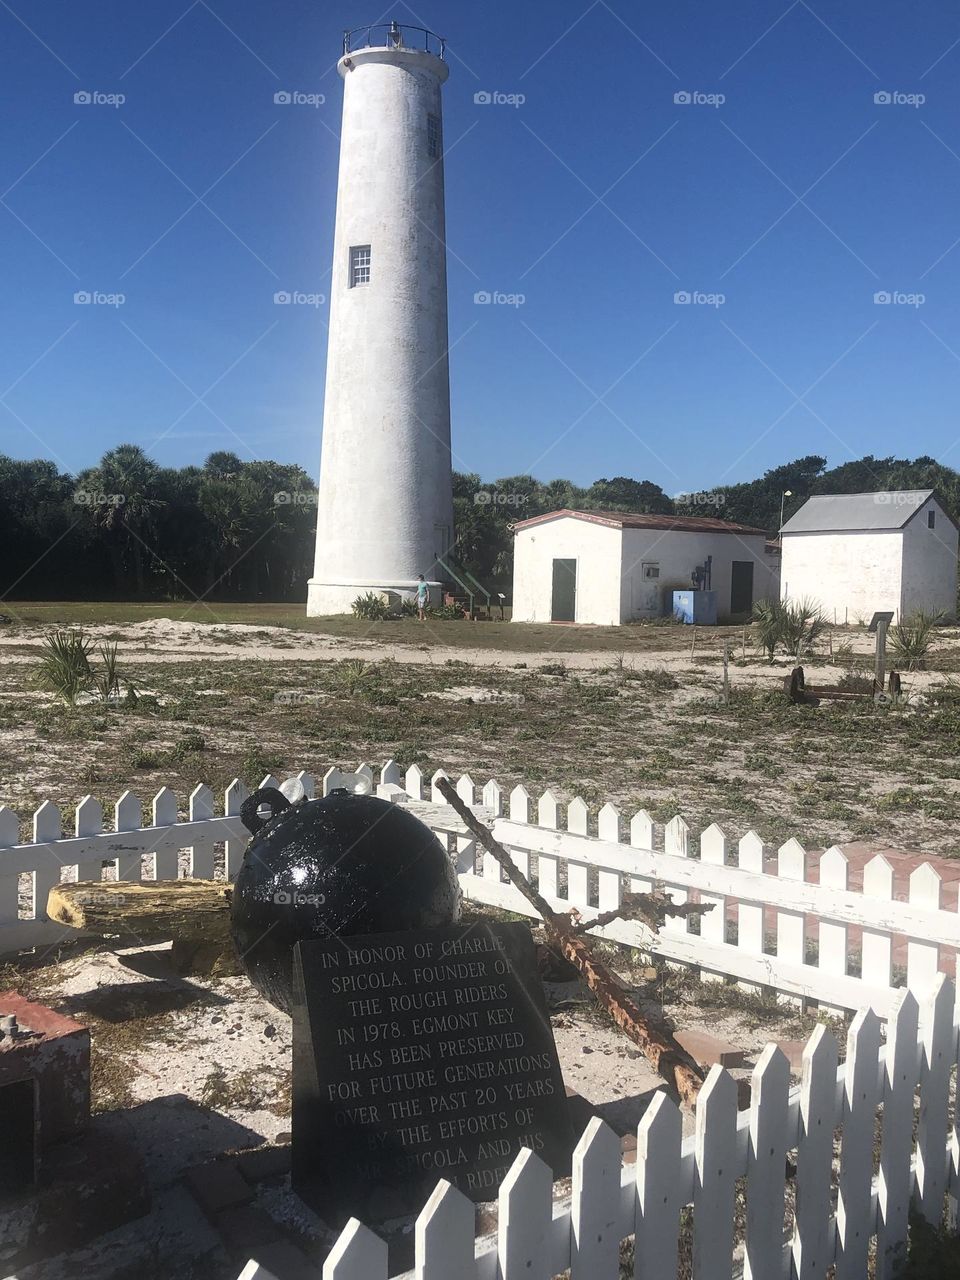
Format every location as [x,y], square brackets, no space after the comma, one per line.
[128,528]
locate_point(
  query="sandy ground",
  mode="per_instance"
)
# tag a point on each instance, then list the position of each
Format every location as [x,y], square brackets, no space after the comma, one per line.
[165,640]
[213,1074]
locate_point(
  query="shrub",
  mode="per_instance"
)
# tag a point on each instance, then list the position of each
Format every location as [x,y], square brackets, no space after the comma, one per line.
[370,607]
[355,676]
[911,638]
[65,664]
[106,678]
[446,613]
[796,626]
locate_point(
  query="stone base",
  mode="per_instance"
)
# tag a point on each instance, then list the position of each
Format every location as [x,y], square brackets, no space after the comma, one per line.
[325,599]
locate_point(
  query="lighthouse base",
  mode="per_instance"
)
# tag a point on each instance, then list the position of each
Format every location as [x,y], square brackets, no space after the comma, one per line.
[325,599]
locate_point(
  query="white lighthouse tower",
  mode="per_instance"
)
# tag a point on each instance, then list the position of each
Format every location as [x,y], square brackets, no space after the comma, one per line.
[385,506]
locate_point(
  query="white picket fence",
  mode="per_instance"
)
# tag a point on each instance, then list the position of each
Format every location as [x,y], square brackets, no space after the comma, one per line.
[831,1209]
[773,927]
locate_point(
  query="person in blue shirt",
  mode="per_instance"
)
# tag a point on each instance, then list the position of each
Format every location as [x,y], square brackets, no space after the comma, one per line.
[423,598]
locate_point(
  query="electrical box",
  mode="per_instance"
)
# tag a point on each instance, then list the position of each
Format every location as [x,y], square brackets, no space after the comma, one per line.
[695,607]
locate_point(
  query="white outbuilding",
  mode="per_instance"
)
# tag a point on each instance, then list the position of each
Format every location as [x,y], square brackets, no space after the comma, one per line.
[609,567]
[857,554]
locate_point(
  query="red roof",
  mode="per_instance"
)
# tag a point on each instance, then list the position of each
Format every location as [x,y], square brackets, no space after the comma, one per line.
[629,520]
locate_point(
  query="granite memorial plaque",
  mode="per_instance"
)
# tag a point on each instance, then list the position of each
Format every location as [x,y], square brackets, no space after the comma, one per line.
[417,1056]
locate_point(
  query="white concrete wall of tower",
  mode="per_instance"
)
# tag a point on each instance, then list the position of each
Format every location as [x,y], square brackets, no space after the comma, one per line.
[385,507]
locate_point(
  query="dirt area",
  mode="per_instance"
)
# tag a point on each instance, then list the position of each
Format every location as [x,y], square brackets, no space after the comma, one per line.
[643,725]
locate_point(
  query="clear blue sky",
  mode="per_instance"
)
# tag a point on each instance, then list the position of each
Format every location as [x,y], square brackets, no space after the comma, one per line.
[598,198]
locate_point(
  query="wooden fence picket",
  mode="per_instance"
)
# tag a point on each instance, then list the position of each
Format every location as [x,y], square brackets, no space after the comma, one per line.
[493,798]
[609,882]
[833,938]
[413,781]
[923,958]
[713,925]
[525,1217]
[10,925]
[854,1197]
[444,1235]
[938,1038]
[46,827]
[233,849]
[895,1181]
[577,872]
[89,822]
[876,958]
[390,775]
[770,1139]
[750,856]
[357,1255]
[641,837]
[714,1176]
[812,1242]
[548,816]
[676,841]
[659,1190]
[595,1204]
[127,816]
[200,856]
[520,802]
[435,795]
[791,936]
[466,790]
[166,858]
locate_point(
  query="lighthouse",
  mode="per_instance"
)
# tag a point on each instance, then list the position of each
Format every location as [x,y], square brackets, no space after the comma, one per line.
[385,501]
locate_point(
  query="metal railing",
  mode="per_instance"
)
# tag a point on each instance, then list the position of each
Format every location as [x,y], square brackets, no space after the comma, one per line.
[394,35]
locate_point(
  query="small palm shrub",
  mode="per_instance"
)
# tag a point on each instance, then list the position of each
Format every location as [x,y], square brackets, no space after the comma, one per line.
[803,624]
[65,664]
[106,678]
[911,638]
[768,620]
[355,676]
[370,607]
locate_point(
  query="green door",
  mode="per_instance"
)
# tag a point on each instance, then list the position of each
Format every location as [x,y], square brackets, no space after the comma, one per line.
[564,607]
[741,586]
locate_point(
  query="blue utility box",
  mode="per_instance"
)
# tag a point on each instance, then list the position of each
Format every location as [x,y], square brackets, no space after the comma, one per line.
[699,607]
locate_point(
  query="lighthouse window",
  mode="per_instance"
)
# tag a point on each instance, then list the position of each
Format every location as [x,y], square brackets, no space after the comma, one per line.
[433,137]
[359,264]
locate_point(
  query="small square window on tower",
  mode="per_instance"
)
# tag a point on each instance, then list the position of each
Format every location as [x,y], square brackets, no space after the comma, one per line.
[931,519]
[433,137]
[650,570]
[359,265]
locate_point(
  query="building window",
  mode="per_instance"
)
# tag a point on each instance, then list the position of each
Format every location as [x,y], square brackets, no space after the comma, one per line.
[931,519]
[359,265]
[433,137]
[651,571]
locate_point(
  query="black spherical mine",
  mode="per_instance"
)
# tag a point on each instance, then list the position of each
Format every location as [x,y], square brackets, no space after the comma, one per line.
[347,864]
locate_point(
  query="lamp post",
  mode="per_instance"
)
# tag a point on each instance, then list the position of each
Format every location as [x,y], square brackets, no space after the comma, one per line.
[787,493]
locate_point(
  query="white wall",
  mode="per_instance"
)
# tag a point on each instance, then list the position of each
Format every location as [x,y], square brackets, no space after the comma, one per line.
[929,580]
[850,575]
[596,549]
[385,465]
[678,552]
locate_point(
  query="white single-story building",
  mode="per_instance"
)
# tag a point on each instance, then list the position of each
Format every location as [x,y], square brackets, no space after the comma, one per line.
[608,567]
[857,554]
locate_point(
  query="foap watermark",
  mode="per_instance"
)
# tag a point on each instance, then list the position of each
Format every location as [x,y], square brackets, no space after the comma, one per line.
[294,898]
[496,498]
[900,499]
[298,498]
[895,298]
[98,898]
[696,298]
[95,98]
[894,98]
[701,498]
[297,98]
[496,298]
[97,498]
[296,698]
[94,298]
[297,298]
[494,98]
[694,98]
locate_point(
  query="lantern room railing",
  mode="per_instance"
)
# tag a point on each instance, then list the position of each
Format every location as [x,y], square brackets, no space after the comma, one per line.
[394,35]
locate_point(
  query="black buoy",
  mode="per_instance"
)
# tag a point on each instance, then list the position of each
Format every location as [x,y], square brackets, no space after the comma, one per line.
[344,865]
